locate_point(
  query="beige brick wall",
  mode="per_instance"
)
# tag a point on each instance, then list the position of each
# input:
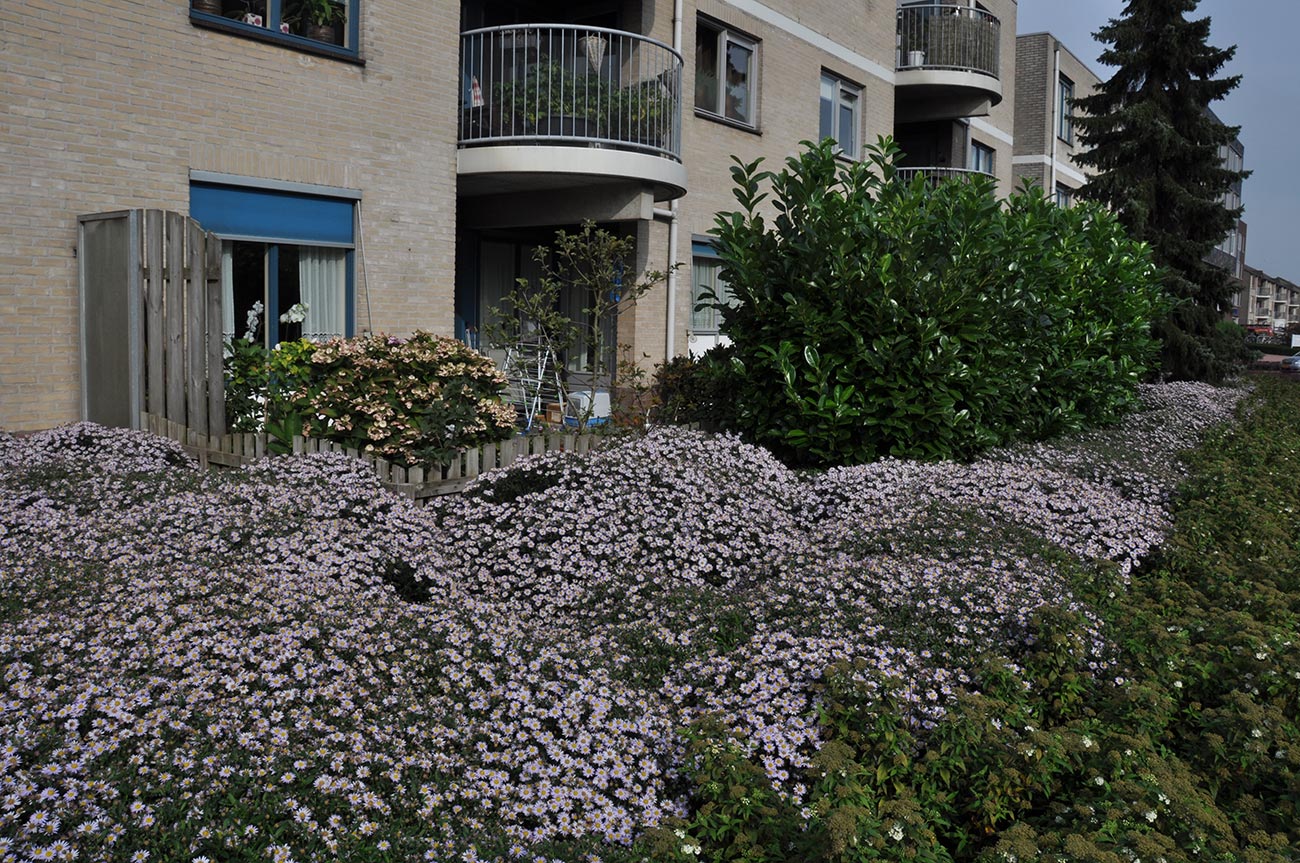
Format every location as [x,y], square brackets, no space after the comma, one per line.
[88,126]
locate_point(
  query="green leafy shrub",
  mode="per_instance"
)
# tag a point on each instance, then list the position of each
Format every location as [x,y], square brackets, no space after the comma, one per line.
[413,401]
[877,318]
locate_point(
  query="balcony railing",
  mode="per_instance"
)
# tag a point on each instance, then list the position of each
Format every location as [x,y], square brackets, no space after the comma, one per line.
[935,176]
[560,84]
[938,36]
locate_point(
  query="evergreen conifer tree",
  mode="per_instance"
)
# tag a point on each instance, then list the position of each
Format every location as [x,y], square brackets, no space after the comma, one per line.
[1156,148]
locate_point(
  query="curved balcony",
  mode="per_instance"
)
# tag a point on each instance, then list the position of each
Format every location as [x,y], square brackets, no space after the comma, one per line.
[545,107]
[935,176]
[948,62]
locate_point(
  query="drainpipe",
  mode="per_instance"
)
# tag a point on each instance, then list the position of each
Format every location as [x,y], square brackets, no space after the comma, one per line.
[670,342]
[1056,112]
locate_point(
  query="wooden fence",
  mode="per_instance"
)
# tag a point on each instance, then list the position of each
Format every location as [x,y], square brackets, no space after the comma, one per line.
[417,483]
[151,319]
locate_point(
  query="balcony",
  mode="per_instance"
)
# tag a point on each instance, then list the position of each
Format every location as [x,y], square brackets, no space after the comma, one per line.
[554,108]
[935,176]
[948,63]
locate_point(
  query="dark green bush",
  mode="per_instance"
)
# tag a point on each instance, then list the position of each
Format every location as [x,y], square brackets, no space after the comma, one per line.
[696,390]
[880,318]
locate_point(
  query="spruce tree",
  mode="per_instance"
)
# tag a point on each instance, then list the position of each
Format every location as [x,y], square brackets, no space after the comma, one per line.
[1156,149]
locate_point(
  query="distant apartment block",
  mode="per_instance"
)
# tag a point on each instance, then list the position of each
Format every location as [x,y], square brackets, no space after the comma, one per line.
[1267,302]
[1230,255]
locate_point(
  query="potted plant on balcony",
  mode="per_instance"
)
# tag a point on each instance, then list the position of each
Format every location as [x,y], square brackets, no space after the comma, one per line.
[551,100]
[644,108]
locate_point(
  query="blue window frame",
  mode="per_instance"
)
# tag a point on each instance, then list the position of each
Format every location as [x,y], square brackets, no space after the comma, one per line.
[327,27]
[281,250]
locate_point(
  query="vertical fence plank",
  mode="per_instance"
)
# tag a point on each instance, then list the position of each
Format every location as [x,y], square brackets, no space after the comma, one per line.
[473,457]
[214,348]
[489,457]
[174,317]
[196,328]
[155,395]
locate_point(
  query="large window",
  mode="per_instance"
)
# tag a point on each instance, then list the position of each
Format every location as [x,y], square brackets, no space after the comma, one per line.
[981,158]
[321,26]
[840,113]
[287,260]
[726,73]
[1065,110]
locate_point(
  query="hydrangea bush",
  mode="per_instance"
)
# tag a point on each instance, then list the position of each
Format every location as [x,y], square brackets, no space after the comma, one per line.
[410,400]
[287,663]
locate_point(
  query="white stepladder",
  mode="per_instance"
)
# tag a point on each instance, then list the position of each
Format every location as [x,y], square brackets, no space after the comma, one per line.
[533,375]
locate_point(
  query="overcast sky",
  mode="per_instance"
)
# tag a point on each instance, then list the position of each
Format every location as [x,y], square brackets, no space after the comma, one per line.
[1266,104]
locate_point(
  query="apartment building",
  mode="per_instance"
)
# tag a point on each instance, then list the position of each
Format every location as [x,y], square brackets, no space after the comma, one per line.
[392,163]
[1049,77]
[1230,254]
[1267,303]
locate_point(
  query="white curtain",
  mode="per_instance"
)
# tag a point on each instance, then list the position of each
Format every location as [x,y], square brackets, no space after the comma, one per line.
[322,285]
[227,290]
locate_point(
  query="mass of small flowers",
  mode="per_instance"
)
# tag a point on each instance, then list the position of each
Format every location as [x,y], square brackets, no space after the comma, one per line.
[286,662]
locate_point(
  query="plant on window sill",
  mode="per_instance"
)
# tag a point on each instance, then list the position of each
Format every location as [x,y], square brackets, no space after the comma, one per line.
[318,17]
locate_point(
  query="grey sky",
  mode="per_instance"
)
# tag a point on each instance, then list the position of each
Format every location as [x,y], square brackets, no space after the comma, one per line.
[1266,104]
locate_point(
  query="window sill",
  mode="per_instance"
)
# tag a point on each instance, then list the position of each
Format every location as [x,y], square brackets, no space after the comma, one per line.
[288,40]
[726,121]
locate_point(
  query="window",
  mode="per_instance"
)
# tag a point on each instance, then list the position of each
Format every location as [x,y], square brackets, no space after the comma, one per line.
[725,73]
[707,288]
[840,117]
[327,27]
[1065,110]
[981,158]
[280,249]
[1064,195]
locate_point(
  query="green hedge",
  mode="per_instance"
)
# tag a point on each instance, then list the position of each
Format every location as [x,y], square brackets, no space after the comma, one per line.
[1187,749]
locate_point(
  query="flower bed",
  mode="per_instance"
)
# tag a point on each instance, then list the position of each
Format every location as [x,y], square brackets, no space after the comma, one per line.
[285,662]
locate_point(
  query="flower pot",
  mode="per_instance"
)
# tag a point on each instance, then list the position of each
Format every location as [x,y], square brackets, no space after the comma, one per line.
[563,125]
[322,33]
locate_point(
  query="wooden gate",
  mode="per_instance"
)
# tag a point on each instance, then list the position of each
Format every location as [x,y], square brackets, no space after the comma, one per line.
[151,334]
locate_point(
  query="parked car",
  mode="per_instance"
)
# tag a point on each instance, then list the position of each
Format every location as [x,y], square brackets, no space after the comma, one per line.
[1291,364]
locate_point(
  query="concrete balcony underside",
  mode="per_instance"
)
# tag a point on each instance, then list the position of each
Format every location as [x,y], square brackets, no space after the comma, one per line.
[518,186]
[943,94]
